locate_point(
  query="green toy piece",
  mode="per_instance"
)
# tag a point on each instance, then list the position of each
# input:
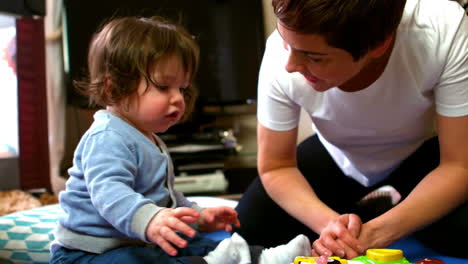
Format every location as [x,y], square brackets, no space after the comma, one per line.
[373,256]
[383,256]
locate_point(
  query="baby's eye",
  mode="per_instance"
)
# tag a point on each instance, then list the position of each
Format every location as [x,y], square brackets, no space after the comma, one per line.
[183,89]
[162,87]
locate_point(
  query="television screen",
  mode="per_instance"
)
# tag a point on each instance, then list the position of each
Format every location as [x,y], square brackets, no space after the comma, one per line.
[23,105]
[230,34]
[23,7]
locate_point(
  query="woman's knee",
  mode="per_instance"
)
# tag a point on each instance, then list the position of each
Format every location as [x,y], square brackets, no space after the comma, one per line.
[444,235]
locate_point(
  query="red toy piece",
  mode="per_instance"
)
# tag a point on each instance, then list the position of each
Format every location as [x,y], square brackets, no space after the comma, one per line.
[430,261]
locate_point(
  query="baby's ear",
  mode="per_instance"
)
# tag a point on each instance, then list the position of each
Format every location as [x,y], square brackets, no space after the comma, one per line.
[107,87]
[107,82]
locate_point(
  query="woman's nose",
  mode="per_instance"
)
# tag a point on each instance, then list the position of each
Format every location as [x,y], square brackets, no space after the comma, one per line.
[294,63]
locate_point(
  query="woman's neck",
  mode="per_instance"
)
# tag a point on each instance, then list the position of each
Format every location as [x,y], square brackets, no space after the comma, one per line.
[370,72]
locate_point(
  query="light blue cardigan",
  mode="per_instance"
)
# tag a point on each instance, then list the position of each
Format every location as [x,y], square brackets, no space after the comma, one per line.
[118,182]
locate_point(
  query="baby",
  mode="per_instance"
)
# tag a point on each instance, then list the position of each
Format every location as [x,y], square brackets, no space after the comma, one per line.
[120,203]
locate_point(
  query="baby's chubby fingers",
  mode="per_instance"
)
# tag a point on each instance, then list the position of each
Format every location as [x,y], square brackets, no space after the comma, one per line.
[228,214]
[164,225]
[189,219]
[235,221]
[218,218]
[172,237]
[183,216]
[180,212]
[165,245]
[231,221]
[187,215]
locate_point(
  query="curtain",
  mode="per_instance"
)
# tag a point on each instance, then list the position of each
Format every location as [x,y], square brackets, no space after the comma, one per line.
[56,92]
[32,105]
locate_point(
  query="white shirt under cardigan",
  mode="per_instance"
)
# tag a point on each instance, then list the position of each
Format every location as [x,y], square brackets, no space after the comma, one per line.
[369,132]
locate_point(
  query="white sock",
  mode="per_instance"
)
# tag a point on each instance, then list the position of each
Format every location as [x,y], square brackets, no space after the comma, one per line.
[233,250]
[285,254]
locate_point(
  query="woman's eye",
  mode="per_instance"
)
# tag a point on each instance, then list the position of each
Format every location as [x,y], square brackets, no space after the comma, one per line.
[315,59]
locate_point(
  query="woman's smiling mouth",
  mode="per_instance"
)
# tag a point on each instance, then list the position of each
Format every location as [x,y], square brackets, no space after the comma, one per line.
[311,79]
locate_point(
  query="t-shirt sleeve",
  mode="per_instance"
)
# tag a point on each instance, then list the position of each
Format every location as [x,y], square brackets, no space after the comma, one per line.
[276,110]
[451,92]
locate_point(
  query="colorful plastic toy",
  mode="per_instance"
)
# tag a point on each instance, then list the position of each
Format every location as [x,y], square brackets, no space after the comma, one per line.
[383,255]
[331,260]
[373,256]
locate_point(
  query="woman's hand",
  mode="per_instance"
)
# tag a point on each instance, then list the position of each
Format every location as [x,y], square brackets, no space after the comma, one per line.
[163,227]
[218,218]
[340,238]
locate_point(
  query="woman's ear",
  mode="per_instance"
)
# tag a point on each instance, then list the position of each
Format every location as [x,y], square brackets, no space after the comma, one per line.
[383,47]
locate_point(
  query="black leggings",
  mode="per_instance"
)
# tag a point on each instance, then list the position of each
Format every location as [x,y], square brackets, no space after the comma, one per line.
[264,223]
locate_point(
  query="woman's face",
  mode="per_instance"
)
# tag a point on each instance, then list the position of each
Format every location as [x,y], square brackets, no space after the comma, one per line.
[323,66]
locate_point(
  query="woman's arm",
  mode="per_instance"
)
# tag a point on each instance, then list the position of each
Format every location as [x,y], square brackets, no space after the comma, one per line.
[286,185]
[442,190]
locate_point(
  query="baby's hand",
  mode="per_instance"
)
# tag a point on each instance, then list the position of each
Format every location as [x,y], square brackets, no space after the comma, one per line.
[164,225]
[217,218]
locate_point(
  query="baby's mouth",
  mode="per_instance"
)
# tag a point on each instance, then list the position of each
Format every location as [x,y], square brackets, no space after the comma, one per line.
[173,116]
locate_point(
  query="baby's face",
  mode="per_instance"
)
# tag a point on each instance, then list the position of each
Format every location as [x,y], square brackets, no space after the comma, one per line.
[160,104]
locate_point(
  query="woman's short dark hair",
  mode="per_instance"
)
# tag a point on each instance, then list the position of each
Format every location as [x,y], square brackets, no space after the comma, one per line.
[356,26]
[126,49]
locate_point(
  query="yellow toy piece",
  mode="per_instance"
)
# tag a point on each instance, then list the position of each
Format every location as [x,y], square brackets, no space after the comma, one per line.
[302,260]
[384,254]
[373,256]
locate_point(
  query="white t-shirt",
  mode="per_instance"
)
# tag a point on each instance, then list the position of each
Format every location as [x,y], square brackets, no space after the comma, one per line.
[369,132]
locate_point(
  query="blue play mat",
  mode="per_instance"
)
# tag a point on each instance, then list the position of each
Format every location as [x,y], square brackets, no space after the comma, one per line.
[25,236]
[412,249]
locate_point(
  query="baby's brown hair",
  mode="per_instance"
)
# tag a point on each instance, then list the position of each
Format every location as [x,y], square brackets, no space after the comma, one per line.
[125,50]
